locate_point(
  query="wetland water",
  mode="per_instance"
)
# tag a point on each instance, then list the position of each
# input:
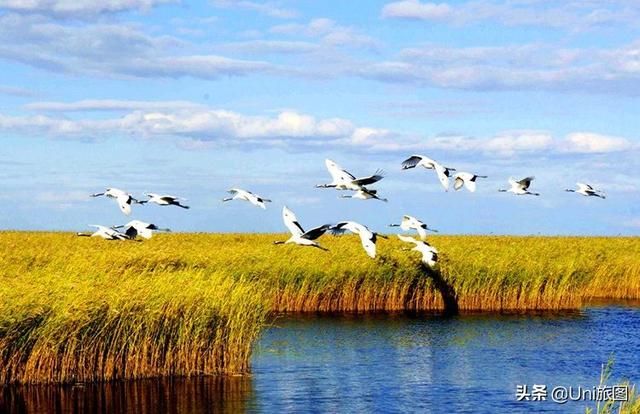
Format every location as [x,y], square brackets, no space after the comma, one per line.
[385,363]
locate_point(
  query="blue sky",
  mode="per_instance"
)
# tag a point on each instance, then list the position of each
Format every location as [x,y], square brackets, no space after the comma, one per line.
[192,98]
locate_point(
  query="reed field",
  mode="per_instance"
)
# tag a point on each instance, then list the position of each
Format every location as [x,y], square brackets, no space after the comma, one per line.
[84,309]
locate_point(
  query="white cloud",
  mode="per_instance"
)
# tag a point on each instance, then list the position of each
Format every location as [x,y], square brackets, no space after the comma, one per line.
[110,50]
[514,67]
[197,125]
[414,9]
[109,105]
[271,46]
[504,144]
[79,8]
[328,32]
[587,142]
[565,15]
[268,8]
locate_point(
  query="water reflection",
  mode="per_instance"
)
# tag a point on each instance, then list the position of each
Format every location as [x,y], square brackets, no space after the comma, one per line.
[180,395]
[427,363]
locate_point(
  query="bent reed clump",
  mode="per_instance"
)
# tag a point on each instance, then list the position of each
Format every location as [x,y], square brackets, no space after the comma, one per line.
[81,309]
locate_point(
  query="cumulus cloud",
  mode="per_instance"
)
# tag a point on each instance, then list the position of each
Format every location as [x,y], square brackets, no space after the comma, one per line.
[78,8]
[587,142]
[195,123]
[198,126]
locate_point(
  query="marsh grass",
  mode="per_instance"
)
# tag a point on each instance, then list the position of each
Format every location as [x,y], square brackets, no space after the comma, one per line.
[81,309]
[611,406]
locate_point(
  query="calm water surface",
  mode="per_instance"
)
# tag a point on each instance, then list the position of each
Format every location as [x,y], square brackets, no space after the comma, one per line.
[385,363]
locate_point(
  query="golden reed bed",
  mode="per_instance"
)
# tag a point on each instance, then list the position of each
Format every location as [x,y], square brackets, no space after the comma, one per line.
[82,309]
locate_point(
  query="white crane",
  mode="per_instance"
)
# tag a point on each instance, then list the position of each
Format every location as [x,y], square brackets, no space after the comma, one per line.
[164,200]
[298,235]
[239,194]
[587,190]
[136,228]
[123,199]
[105,232]
[520,187]
[342,179]
[429,253]
[365,194]
[411,223]
[443,173]
[368,238]
[466,179]
[419,161]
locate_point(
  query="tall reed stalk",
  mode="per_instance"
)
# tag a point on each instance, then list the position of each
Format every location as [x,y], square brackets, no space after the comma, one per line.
[80,309]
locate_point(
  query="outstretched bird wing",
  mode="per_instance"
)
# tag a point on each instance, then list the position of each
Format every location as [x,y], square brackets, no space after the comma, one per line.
[124,204]
[443,176]
[368,243]
[291,221]
[585,187]
[525,182]
[316,232]
[412,161]
[339,228]
[379,175]
[338,174]
[408,239]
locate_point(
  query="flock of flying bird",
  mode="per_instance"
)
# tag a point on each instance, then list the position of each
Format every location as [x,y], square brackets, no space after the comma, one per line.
[341,179]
